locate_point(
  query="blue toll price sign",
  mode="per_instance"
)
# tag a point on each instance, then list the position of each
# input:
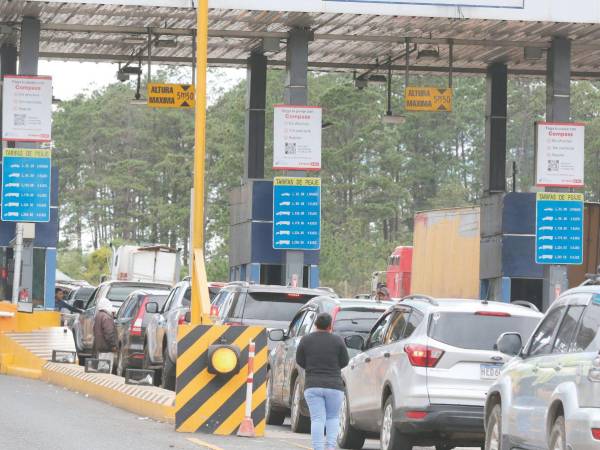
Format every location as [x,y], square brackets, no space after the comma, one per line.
[559,228]
[296,213]
[26,185]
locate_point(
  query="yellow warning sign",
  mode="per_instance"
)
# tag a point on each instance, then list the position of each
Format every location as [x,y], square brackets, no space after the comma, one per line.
[427,99]
[164,95]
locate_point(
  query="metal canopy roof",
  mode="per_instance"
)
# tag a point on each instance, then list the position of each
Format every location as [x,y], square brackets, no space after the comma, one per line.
[343,41]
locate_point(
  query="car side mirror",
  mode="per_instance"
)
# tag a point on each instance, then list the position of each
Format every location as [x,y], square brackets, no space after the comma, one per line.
[152,307]
[277,335]
[78,304]
[188,317]
[509,343]
[355,342]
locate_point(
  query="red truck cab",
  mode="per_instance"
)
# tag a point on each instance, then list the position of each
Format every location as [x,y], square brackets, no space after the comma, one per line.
[399,272]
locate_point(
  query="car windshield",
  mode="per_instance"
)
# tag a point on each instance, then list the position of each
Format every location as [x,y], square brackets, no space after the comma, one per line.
[119,292]
[475,331]
[275,306]
[356,320]
[83,293]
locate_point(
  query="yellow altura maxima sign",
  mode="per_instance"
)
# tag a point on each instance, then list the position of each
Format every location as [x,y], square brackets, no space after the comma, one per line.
[166,95]
[427,99]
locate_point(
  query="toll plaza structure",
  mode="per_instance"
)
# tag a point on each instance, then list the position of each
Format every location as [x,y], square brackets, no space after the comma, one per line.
[496,38]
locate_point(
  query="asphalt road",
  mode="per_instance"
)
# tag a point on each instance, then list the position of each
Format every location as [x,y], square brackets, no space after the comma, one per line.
[39,416]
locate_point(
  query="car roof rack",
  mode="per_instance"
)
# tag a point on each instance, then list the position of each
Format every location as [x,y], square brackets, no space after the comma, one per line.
[238,283]
[421,298]
[525,304]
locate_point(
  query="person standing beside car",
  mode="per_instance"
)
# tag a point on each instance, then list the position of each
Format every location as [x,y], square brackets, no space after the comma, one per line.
[323,355]
[105,332]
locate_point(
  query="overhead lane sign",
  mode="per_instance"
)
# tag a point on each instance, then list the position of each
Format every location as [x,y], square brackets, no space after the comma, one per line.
[296,213]
[27,108]
[560,154]
[297,137]
[559,228]
[433,99]
[26,185]
[168,95]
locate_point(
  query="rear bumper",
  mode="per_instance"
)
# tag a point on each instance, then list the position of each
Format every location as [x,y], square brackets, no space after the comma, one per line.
[579,429]
[458,424]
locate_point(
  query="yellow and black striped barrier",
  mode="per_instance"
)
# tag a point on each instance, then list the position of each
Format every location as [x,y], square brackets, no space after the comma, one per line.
[211,395]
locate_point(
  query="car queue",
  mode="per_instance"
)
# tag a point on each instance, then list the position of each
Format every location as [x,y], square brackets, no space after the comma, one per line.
[440,372]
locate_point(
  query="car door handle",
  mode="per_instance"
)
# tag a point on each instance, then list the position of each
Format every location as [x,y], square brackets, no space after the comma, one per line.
[386,355]
[558,367]
[535,369]
[367,359]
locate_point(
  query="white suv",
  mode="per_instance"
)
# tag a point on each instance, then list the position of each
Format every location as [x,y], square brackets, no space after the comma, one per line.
[548,396]
[424,372]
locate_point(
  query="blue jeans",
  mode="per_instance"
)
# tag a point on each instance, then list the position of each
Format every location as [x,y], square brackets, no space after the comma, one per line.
[324,405]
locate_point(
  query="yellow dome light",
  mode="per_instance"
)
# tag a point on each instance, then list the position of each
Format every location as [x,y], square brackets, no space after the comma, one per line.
[223,359]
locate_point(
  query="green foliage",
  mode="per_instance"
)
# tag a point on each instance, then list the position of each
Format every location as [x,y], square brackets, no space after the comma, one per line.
[90,267]
[126,170]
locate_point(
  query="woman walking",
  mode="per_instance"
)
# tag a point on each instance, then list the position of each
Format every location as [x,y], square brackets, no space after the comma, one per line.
[323,355]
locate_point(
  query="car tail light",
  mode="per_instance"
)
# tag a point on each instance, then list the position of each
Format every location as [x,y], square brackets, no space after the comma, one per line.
[233,324]
[594,373]
[181,320]
[294,295]
[596,433]
[416,415]
[214,312]
[136,325]
[492,313]
[423,355]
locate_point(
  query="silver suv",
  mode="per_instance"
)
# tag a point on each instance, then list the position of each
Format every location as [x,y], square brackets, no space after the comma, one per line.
[548,396]
[424,372]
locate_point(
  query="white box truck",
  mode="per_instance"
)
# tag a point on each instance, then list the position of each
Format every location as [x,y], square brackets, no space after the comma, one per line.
[155,264]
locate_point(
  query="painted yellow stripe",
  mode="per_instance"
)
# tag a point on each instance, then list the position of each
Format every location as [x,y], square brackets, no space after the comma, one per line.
[260,428]
[196,420]
[197,348]
[233,421]
[200,381]
[204,444]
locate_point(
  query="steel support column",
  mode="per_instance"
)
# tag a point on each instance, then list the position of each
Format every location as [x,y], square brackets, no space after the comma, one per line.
[296,93]
[8,66]
[494,178]
[256,92]
[558,109]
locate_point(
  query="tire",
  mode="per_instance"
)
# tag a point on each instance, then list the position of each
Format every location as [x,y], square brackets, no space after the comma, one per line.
[300,423]
[272,416]
[558,436]
[168,371]
[494,439]
[348,437]
[390,438]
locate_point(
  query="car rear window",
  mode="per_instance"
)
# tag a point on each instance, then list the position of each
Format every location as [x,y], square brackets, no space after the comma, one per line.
[477,332]
[273,306]
[356,320]
[160,299]
[119,292]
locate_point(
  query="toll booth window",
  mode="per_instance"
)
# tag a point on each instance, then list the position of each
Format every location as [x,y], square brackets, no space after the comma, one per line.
[273,305]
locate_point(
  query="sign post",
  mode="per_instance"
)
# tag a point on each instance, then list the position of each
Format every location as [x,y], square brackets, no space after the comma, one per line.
[297,137]
[559,228]
[427,99]
[27,108]
[296,213]
[559,159]
[26,176]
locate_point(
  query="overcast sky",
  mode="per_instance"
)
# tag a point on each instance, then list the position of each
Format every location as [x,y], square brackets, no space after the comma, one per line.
[72,78]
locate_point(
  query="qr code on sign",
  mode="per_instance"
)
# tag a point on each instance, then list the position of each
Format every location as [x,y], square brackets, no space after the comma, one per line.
[290,148]
[19,120]
[553,165]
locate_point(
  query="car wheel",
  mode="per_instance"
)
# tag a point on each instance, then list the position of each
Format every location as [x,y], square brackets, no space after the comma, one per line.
[494,440]
[272,416]
[300,423]
[558,436]
[348,436]
[390,438]
[168,371]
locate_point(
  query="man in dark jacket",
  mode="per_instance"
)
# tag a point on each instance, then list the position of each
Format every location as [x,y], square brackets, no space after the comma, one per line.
[105,333]
[323,355]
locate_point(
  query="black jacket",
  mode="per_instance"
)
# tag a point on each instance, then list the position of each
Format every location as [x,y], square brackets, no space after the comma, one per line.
[322,355]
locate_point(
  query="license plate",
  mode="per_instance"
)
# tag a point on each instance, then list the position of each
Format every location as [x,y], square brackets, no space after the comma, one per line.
[489,371]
